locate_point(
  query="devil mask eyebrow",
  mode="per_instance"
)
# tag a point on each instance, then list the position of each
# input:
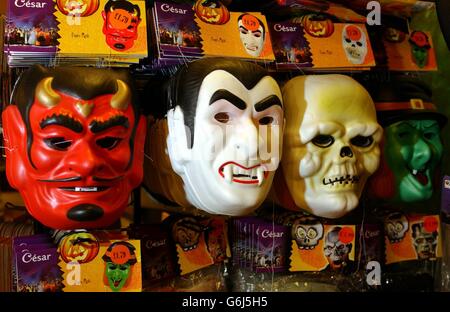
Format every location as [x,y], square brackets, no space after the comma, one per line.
[118,120]
[63,121]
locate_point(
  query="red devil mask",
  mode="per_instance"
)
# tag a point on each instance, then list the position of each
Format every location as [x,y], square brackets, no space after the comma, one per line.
[74,145]
[121,20]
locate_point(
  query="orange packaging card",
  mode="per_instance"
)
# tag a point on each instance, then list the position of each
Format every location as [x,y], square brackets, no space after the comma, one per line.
[414,52]
[322,247]
[412,237]
[200,243]
[348,45]
[92,264]
[245,35]
[110,28]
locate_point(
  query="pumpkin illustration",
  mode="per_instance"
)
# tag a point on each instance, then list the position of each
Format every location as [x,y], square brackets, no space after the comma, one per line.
[212,12]
[77,7]
[80,247]
[317,25]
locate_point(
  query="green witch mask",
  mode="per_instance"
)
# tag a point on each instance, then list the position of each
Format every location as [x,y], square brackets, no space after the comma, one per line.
[413,150]
[117,275]
[119,258]
[420,56]
[419,48]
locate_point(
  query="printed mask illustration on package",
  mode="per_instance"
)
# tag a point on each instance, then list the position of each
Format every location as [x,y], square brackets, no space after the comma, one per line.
[119,258]
[120,24]
[425,242]
[336,251]
[419,48]
[354,43]
[74,144]
[412,147]
[252,34]
[330,145]
[396,225]
[224,133]
[307,231]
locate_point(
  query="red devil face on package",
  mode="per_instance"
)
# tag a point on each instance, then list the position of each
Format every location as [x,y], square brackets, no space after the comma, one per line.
[74,145]
[121,20]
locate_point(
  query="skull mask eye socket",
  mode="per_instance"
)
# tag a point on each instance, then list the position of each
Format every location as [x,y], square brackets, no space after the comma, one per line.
[323,141]
[362,141]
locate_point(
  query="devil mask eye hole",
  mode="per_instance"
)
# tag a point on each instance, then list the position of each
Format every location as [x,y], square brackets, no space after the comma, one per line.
[58,143]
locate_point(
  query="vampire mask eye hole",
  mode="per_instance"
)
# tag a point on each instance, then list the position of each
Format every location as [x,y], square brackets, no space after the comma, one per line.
[347,40]
[362,141]
[323,140]
[222,117]
[359,44]
[108,142]
[58,143]
[266,120]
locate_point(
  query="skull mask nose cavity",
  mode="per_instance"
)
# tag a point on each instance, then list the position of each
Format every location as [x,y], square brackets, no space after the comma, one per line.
[346,151]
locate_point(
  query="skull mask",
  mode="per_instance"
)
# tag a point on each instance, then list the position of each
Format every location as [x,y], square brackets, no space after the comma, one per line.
[355,44]
[307,232]
[396,224]
[330,143]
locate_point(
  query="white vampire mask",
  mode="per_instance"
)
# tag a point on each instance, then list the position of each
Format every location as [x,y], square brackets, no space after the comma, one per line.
[330,143]
[354,43]
[228,167]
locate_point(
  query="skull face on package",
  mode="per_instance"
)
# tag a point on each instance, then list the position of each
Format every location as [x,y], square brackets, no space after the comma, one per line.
[307,231]
[74,145]
[396,225]
[330,145]
[224,132]
[354,43]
